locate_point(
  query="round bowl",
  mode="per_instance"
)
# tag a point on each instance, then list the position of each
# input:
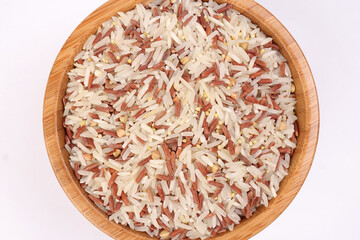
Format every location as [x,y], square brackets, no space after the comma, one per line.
[307,110]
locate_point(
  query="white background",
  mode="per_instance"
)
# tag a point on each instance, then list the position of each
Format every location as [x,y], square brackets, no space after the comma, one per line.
[32,203]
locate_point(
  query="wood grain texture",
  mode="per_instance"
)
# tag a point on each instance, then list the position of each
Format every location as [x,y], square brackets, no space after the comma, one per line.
[307,110]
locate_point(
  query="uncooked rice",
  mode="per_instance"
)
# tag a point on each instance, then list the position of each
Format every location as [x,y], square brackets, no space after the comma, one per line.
[179,118]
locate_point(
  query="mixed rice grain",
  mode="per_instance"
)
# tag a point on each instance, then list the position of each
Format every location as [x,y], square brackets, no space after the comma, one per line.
[180,118]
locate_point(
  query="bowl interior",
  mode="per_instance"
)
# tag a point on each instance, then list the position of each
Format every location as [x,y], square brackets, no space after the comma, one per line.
[306,109]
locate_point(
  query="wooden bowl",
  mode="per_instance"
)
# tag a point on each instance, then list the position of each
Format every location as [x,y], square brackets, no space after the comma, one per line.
[307,110]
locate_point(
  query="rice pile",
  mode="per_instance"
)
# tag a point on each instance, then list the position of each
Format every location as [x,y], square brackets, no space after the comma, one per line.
[179,118]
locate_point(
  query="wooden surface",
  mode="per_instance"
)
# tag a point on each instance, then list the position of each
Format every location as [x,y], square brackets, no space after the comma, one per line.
[307,110]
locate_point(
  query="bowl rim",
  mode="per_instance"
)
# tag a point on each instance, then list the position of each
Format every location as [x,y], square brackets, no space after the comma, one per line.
[52,108]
